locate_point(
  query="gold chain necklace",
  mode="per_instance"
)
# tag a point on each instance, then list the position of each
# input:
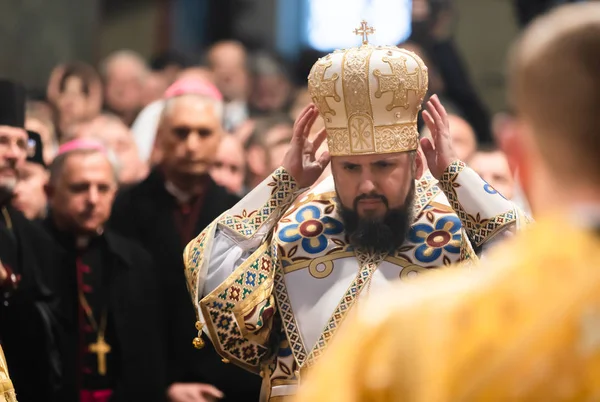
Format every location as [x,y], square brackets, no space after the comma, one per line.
[7,219]
[100,347]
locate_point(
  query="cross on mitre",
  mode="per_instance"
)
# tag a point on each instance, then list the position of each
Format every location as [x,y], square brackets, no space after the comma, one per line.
[364,31]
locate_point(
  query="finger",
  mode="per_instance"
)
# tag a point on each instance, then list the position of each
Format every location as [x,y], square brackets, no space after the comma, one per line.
[304,111]
[441,110]
[438,122]
[185,396]
[313,116]
[429,123]
[324,160]
[301,123]
[318,141]
[428,150]
[208,389]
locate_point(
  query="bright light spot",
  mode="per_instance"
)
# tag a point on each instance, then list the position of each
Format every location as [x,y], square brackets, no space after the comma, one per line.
[331,23]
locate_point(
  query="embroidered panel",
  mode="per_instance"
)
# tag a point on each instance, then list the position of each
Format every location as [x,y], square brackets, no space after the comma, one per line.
[368,263]
[247,223]
[290,326]
[479,229]
[231,310]
[193,259]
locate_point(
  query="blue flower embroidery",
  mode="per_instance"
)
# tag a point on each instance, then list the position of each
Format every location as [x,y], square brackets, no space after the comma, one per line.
[489,189]
[445,235]
[311,228]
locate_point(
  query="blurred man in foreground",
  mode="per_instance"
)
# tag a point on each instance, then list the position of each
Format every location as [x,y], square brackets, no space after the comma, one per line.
[526,326]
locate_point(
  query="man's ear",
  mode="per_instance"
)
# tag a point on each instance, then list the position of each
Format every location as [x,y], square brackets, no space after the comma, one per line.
[509,140]
[257,160]
[420,163]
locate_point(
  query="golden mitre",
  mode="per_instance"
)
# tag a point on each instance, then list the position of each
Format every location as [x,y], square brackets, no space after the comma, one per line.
[369,97]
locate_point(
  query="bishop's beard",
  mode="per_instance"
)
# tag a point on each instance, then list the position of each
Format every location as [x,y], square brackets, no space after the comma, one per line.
[379,234]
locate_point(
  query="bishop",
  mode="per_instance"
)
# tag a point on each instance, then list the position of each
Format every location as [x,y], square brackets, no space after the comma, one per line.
[274,277]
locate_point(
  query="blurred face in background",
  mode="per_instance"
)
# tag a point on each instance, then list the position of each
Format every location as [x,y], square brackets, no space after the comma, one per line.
[124,87]
[464,141]
[229,169]
[29,195]
[72,100]
[277,142]
[189,136]
[155,85]
[493,168]
[13,151]
[117,136]
[228,62]
[82,194]
[270,93]
[47,134]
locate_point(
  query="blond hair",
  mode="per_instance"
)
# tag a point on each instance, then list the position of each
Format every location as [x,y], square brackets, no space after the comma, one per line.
[554,86]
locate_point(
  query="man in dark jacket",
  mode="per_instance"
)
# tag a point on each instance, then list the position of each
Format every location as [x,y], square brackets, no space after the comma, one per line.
[28,325]
[109,299]
[164,213]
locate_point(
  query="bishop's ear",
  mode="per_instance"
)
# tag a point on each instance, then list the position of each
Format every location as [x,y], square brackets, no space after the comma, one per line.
[420,165]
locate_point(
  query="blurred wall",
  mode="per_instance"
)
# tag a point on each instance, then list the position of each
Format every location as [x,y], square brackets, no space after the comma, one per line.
[35,35]
[132,27]
[484,32]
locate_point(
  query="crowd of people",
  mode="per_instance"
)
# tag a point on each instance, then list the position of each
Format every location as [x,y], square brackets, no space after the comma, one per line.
[108,176]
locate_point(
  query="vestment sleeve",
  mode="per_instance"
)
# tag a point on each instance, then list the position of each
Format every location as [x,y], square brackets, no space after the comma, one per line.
[229,270]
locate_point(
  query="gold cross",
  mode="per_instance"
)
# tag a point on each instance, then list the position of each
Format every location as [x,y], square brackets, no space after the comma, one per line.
[399,82]
[101,349]
[322,88]
[364,31]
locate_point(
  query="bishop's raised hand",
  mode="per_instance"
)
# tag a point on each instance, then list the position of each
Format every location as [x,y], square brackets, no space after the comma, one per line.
[439,152]
[301,161]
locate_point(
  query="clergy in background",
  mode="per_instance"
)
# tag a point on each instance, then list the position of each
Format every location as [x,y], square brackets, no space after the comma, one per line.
[525,325]
[164,212]
[7,390]
[273,278]
[29,196]
[111,349]
[28,323]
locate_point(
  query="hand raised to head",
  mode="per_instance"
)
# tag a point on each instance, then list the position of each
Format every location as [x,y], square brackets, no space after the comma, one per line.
[300,161]
[439,153]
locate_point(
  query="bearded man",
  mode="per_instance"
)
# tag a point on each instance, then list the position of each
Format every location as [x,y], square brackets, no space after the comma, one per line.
[274,277]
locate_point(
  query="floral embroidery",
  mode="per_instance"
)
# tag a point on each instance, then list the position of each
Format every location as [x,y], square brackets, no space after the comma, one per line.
[312,229]
[489,189]
[433,239]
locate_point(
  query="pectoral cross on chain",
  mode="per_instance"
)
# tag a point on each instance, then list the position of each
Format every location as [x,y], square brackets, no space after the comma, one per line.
[101,349]
[364,31]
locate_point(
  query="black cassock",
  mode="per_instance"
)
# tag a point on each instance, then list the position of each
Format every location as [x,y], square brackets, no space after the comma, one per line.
[111,273]
[29,328]
[149,213]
